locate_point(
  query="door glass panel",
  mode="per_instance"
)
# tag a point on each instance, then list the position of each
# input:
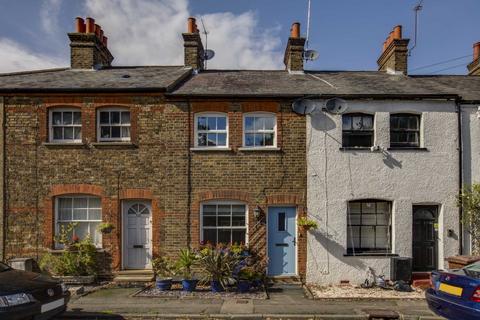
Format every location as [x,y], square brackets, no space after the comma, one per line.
[282,222]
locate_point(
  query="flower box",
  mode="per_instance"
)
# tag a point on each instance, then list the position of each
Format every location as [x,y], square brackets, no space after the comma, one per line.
[76,280]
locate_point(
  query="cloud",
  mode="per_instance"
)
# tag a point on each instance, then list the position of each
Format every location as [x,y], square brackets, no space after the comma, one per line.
[149,32]
[15,57]
[49,13]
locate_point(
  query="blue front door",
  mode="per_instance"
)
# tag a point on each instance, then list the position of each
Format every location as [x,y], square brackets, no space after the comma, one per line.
[282,234]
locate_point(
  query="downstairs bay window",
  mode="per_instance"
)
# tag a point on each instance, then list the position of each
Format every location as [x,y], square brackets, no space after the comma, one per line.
[369,226]
[223,222]
[84,211]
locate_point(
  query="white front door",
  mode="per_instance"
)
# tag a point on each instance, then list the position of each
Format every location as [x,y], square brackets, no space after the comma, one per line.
[137,234]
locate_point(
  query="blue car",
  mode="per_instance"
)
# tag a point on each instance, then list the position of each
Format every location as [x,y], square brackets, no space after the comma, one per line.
[455,294]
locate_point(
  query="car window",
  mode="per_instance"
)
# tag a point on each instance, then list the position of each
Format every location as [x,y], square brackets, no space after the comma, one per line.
[472,270]
[3,267]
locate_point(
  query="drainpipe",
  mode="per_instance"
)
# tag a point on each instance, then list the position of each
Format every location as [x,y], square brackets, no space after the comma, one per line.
[2,180]
[189,176]
[460,173]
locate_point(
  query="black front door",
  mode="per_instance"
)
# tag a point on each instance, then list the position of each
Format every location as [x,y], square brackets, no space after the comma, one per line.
[425,238]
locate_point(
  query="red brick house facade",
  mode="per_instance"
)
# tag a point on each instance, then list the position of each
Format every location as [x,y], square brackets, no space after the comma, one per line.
[91,146]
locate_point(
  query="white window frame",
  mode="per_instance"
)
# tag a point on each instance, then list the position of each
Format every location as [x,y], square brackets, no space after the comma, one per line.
[245,131]
[51,125]
[226,202]
[58,221]
[197,132]
[117,109]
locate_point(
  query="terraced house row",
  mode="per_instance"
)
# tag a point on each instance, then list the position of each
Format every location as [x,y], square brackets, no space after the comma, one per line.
[173,156]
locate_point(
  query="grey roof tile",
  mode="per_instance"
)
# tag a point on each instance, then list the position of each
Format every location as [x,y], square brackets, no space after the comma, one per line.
[114,78]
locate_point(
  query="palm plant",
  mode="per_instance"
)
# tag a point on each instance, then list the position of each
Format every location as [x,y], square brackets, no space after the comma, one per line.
[218,265]
[186,260]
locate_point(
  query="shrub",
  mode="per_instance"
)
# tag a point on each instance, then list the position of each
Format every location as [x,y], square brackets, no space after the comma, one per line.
[218,263]
[79,260]
[186,261]
[164,267]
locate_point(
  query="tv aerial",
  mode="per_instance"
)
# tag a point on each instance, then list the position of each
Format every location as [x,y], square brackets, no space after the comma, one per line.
[336,106]
[309,55]
[207,53]
[304,106]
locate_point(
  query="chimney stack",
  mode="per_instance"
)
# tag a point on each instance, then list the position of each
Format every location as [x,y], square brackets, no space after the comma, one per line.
[88,46]
[394,58]
[474,66]
[294,51]
[193,46]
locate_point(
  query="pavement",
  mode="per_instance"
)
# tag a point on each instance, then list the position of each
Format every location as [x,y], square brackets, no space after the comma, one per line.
[287,302]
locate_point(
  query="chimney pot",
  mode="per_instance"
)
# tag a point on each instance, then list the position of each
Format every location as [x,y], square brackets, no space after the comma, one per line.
[79,25]
[476,51]
[90,25]
[295,30]
[105,41]
[397,32]
[97,30]
[191,26]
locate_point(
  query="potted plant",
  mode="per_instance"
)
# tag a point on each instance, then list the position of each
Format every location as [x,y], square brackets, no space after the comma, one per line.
[164,270]
[307,224]
[186,261]
[105,227]
[246,276]
[218,264]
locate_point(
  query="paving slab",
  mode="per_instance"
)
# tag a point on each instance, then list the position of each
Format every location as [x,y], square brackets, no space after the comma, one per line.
[290,303]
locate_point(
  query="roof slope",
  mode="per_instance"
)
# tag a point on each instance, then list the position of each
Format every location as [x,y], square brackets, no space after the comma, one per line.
[159,78]
[353,83]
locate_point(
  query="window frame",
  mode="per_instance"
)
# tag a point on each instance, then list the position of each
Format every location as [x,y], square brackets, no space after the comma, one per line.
[224,202]
[58,221]
[197,132]
[51,125]
[99,125]
[369,131]
[364,250]
[274,131]
[418,131]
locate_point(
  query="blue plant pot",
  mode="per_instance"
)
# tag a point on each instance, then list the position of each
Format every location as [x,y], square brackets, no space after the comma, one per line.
[164,284]
[244,286]
[216,286]
[257,283]
[189,285]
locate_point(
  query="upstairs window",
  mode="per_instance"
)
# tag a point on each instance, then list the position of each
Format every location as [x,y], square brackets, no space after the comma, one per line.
[260,130]
[404,131]
[114,125]
[357,130]
[369,224]
[211,130]
[65,125]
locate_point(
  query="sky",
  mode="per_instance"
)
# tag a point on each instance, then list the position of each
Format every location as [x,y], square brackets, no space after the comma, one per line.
[245,34]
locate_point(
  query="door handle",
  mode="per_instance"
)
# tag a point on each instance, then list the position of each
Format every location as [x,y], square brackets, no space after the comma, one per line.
[138,246]
[294,241]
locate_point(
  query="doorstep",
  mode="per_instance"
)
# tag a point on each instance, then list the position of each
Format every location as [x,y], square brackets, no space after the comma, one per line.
[134,276]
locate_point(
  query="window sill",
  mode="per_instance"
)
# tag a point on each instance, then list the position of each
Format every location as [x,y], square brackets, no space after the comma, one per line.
[64,144]
[355,149]
[114,144]
[407,149]
[259,149]
[370,254]
[210,149]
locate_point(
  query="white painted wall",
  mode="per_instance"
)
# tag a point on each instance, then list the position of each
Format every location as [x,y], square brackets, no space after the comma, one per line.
[406,178]
[471,153]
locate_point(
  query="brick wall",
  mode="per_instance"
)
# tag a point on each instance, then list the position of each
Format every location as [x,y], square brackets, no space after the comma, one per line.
[155,168]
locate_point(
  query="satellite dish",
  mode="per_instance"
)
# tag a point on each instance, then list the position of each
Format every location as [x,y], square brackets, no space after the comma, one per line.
[310,55]
[304,106]
[336,106]
[208,54]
